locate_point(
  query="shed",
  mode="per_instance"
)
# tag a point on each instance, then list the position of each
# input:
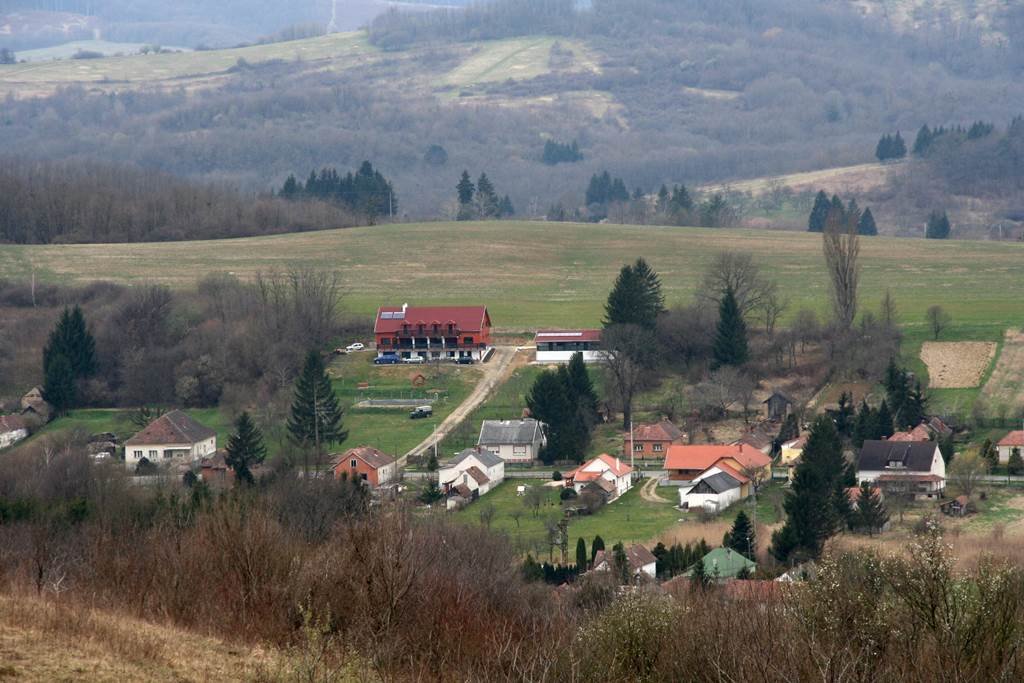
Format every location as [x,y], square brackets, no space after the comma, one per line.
[777,406]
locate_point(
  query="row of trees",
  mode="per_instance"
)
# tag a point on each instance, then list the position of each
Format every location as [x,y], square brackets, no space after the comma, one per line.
[891,147]
[561,152]
[366,191]
[481,200]
[824,209]
[927,137]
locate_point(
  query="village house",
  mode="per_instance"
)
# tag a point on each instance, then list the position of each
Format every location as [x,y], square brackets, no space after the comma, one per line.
[558,346]
[514,441]
[369,465]
[790,454]
[685,463]
[1006,445]
[725,564]
[777,406]
[908,468]
[13,429]
[918,433]
[35,406]
[469,475]
[605,471]
[652,440]
[172,439]
[715,489]
[642,563]
[214,470]
[758,438]
[433,333]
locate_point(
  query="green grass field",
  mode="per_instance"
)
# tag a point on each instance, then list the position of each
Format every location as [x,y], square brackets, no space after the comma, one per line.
[630,519]
[537,274]
[518,58]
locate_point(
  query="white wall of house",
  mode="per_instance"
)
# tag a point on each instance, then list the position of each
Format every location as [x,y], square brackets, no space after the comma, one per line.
[518,453]
[938,468]
[1006,451]
[387,474]
[457,475]
[651,569]
[594,356]
[168,454]
[12,437]
[714,502]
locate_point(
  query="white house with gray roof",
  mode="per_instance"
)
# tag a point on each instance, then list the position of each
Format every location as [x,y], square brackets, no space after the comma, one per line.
[469,475]
[515,441]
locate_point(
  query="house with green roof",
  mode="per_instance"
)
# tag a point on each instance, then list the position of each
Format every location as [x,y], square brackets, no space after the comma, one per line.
[725,563]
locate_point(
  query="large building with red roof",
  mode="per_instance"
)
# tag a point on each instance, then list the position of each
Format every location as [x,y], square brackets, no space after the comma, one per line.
[686,463]
[433,333]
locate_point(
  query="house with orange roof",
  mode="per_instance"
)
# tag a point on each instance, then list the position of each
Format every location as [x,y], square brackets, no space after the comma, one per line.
[715,489]
[918,433]
[652,440]
[1007,444]
[611,474]
[685,463]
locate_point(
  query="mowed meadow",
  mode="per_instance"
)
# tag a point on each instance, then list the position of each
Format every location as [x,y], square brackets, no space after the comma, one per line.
[539,274]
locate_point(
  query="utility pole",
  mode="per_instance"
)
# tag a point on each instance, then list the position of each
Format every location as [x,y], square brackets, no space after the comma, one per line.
[632,447]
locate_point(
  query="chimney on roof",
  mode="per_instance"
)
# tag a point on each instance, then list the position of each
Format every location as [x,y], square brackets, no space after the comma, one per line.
[617,466]
[404,307]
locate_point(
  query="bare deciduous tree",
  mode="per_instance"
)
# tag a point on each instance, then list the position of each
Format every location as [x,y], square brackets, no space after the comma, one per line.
[842,251]
[938,320]
[772,306]
[736,271]
[967,469]
[626,352]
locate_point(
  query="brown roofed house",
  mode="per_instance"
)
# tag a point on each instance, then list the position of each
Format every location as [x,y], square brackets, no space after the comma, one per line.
[367,464]
[173,438]
[652,440]
[13,429]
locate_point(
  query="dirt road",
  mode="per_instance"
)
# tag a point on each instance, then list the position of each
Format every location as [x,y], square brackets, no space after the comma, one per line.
[649,491]
[496,371]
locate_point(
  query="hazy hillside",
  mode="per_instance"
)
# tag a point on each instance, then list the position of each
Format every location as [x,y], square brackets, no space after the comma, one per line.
[653,91]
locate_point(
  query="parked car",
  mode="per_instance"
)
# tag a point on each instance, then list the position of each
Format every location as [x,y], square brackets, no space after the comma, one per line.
[465,360]
[421,412]
[358,346]
[415,360]
[386,359]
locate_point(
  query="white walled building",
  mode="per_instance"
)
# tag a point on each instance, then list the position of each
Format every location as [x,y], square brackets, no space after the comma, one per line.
[172,439]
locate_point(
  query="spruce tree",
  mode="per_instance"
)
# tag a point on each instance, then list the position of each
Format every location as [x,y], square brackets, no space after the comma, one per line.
[884,421]
[730,345]
[836,211]
[486,198]
[866,224]
[71,339]
[636,297]
[816,505]
[598,544]
[316,414]
[883,150]
[581,555]
[899,147]
[819,213]
[938,226]
[923,141]
[245,449]
[742,536]
[59,384]
[1015,465]
[576,428]
[465,189]
[844,414]
[652,301]
[548,402]
[581,388]
[866,425]
[990,453]
[871,514]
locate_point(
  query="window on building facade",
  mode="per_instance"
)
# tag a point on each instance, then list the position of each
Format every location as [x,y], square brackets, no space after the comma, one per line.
[638,447]
[658,448]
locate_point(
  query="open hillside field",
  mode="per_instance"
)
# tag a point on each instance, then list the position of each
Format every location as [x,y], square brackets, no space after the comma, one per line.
[534,274]
[842,179]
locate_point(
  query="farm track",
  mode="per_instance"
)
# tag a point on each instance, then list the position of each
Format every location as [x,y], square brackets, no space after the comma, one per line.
[495,372]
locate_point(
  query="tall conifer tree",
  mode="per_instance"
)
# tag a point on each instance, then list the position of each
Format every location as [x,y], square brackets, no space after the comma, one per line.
[245,449]
[316,414]
[730,345]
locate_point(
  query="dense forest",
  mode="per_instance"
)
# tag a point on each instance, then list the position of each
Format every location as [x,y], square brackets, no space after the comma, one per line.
[44,203]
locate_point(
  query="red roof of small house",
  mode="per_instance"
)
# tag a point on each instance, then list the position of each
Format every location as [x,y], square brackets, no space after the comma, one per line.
[637,556]
[732,472]
[757,438]
[548,336]
[172,429]
[701,457]
[12,423]
[658,431]
[616,466]
[369,455]
[465,318]
[918,433]
[796,443]
[1014,438]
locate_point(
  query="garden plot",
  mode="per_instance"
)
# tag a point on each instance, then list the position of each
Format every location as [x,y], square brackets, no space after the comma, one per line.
[1006,385]
[956,365]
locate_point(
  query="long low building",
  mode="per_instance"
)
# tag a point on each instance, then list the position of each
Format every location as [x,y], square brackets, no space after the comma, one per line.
[558,346]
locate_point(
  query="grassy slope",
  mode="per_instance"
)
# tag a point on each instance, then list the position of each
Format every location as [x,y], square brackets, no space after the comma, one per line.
[535,274]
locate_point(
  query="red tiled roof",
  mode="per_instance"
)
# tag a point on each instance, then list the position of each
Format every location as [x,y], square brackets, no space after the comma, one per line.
[918,433]
[680,457]
[658,431]
[172,429]
[1014,438]
[567,336]
[732,472]
[371,456]
[465,318]
[617,467]
[11,423]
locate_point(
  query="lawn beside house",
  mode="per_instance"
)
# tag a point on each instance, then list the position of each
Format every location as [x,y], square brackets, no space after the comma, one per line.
[630,519]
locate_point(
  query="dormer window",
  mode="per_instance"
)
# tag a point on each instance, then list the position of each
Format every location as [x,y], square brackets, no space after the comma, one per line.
[896,464]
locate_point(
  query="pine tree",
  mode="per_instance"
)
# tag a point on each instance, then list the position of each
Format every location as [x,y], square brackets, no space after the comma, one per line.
[884,421]
[465,189]
[819,213]
[581,555]
[316,414]
[816,505]
[899,147]
[730,345]
[71,339]
[853,213]
[871,515]
[245,449]
[923,141]
[486,198]
[581,388]
[290,188]
[59,384]
[598,544]
[836,211]
[866,425]
[636,297]
[742,536]
[844,414]
[699,578]
[990,453]
[662,202]
[652,302]
[883,150]
[548,402]
[866,224]
[505,208]
[1015,465]
[938,226]
[681,200]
